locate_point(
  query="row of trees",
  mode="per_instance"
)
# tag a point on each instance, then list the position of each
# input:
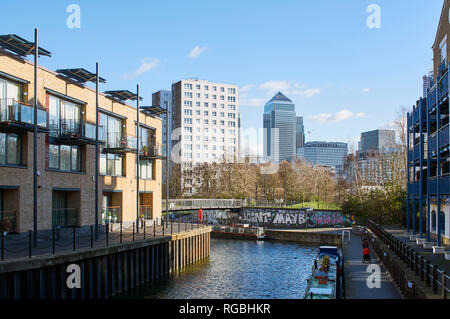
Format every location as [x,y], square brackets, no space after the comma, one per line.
[296,181]
[381,199]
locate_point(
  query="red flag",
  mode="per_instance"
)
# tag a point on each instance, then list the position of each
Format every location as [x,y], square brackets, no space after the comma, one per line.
[200,214]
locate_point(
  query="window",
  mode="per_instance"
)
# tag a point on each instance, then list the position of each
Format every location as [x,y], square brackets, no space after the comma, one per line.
[187,103]
[197,103]
[206,87]
[111,130]
[206,96]
[206,113]
[206,104]
[10,90]
[214,105]
[188,95]
[111,164]
[232,107]
[10,149]
[231,91]
[197,86]
[146,169]
[222,97]
[214,88]
[64,117]
[65,158]
[198,95]
[231,99]
[222,89]
[443,47]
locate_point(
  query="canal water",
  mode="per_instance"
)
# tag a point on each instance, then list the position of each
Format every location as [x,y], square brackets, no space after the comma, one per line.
[239,269]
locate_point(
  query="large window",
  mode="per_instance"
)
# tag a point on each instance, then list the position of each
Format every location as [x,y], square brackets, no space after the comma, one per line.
[64,158]
[146,169]
[10,149]
[10,90]
[111,164]
[112,130]
[64,116]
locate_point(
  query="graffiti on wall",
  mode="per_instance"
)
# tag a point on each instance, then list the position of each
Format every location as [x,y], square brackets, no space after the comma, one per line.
[278,218]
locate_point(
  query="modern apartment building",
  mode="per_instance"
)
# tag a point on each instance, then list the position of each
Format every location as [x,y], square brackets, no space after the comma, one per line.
[66,149]
[428,149]
[206,121]
[163,99]
[280,130]
[330,154]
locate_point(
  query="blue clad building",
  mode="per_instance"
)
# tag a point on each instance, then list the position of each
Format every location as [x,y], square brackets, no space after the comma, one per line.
[428,204]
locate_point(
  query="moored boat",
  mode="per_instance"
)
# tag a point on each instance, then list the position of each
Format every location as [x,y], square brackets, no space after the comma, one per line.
[239,231]
[326,280]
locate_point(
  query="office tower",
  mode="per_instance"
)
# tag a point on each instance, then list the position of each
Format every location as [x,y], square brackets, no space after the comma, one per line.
[377,140]
[163,99]
[300,132]
[279,129]
[206,116]
[331,154]
[427,83]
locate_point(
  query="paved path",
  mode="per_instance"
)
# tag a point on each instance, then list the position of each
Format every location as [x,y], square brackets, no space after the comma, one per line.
[356,274]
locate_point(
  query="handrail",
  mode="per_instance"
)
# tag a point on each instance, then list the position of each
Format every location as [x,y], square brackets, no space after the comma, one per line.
[431,274]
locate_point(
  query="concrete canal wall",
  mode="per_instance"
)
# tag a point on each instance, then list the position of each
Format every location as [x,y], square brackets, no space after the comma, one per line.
[306,237]
[103,272]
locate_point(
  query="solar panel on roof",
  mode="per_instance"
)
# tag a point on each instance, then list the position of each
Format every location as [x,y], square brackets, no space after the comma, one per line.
[22,47]
[80,75]
[154,110]
[123,95]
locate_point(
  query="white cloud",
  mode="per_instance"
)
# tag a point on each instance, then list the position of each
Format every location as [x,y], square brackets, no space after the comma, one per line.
[367,90]
[147,64]
[273,86]
[337,117]
[253,102]
[196,52]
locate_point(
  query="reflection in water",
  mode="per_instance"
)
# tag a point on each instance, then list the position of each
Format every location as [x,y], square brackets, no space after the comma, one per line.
[239,269]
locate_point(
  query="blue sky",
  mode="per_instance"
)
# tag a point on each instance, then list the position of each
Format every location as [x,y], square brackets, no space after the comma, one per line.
[343,77]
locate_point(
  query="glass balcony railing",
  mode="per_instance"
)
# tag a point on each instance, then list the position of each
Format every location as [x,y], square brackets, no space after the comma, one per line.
[13,111]
[112,215]
[118,141]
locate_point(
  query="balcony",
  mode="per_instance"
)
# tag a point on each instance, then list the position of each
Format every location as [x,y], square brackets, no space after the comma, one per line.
[8,221]
[152,151]
[431,98]
[443,183]
[65,217]
[443,87]
[74,132]
[19,116]
[444,137]
[116,142]
[111,215]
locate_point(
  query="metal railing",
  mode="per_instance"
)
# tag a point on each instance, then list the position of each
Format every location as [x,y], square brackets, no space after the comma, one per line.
[112,214]
[65,239]
[13,111]
[181,204]
[120,141]
[65,217]
[433,277]
[8,221]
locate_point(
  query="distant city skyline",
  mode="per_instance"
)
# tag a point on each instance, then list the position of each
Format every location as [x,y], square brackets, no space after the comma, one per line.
[319,65]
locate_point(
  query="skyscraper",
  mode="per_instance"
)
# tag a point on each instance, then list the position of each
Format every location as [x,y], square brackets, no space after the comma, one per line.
[324,153]
[163,99]
[377,140]
[427,83]
[300,132]
[279,129]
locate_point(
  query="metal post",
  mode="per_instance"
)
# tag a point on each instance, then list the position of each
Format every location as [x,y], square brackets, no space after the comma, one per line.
[438,167]
[96,150]
[35,136]
[74,239]
[444,291]
[154,228]
[144,228]
[120,232]
[421,170]
[92,237]
[137,158]
[171,226]
[53,241]
[29,243]
[133,231]
[408,176]
[3,245]
[428,178]
[435,278]
[167,161]
[162,224]
[107,234]
[427,273]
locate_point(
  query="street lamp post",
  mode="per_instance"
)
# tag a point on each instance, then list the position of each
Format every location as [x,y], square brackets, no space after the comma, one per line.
[167,163]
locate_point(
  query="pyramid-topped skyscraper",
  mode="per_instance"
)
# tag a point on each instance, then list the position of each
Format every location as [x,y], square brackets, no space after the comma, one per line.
[279,129]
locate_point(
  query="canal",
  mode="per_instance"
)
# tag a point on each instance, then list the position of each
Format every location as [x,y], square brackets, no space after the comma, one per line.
[239,269]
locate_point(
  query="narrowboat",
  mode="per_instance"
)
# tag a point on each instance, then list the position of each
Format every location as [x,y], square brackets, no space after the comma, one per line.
[239,231]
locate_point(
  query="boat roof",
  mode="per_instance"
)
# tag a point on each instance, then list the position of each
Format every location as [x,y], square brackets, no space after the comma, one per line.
[321,291]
